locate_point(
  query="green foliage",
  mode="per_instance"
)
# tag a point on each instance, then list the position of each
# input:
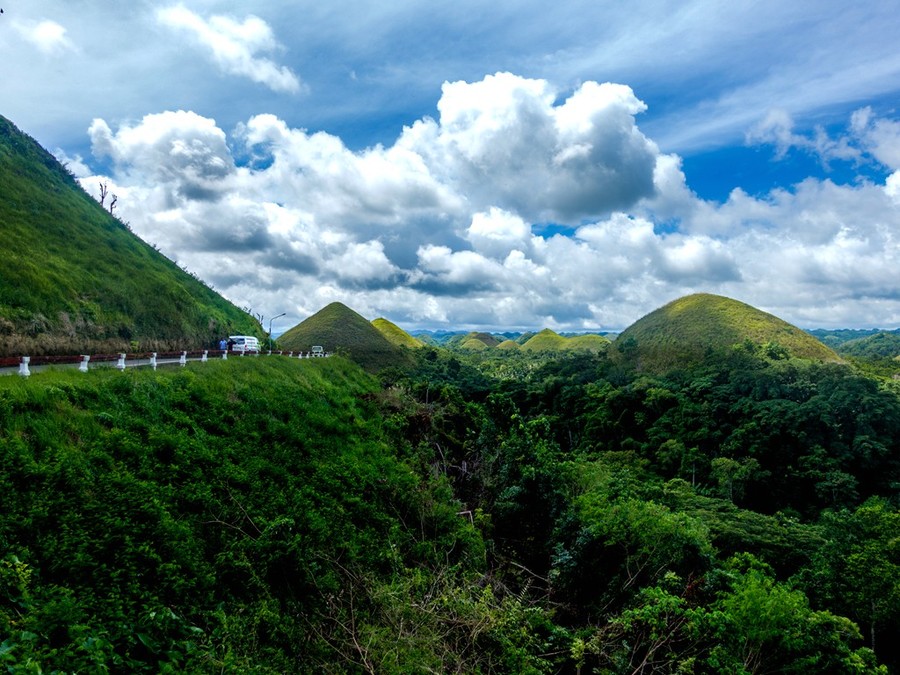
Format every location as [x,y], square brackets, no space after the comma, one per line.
[878,346]
[195,520]
[630,542]
[739,620]
[476,511]
[73,277]
[787,434]
[857,570]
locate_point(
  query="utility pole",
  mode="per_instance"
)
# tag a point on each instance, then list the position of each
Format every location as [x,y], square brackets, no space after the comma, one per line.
[270,326]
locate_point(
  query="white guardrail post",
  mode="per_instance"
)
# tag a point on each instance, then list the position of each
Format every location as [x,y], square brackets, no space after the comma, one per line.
[84,364]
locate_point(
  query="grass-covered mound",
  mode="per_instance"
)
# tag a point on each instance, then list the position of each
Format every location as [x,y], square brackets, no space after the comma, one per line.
[337,328]
[396,335]
[511,345]
[74,279]
[588,342]
[474,341]
[233,516]
[550,341]
[693,328]
[545,341]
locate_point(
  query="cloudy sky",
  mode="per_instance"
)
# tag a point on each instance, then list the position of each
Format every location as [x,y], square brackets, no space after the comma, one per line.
[486,165]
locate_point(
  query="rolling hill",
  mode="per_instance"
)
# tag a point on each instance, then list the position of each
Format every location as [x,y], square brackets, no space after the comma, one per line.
[475,341]
[338,328]
[511,345]
[75,279]
[882,345]
[396,335]
[688,330]
[588,342]
[548,340]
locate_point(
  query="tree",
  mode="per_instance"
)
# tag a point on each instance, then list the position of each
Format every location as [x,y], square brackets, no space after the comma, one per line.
[858,570]
[731,474]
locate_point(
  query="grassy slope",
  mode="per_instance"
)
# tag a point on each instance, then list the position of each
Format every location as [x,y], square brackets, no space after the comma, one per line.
[878,346]
[688,329]
[73,278]
[338,328]
[548,340]
[508,344]
[478,341]
[589,342]
[396,335]
[201,519]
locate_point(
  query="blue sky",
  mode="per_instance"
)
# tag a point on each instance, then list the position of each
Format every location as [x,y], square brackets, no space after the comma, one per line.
[486,165]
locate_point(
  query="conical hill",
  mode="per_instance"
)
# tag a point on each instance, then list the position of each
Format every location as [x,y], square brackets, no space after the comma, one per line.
[509,345]
[396,335]
[478,341]
[337,328]
[544,341]
[548,340]
[74,279]
[696,327]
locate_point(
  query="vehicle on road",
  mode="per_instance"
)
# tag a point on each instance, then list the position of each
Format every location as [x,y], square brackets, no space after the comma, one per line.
[244,343]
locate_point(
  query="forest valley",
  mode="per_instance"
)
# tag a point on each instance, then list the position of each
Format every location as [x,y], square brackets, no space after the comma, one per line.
[478,512]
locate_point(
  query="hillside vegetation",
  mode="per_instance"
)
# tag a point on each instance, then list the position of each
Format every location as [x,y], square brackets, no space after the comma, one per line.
[548,340]
[693,328]
[74,279]
[396,335]
[881,345]
[229,517]
[480,511]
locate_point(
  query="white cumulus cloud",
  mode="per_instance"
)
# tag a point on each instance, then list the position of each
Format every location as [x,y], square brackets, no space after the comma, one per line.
[234,46]
[48,36]
[444,227]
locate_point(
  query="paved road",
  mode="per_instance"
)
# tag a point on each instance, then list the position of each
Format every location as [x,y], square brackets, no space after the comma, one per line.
[143,362]
[129,363]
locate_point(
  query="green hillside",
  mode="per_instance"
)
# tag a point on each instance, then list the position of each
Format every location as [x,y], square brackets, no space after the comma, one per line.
[475,341]
[508,345]
[546,340]
[75,279]
[550,341]
[396,335]
[692,328]
[168,522]
[338,328]
[278,515]
[589,342]
[882,345]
